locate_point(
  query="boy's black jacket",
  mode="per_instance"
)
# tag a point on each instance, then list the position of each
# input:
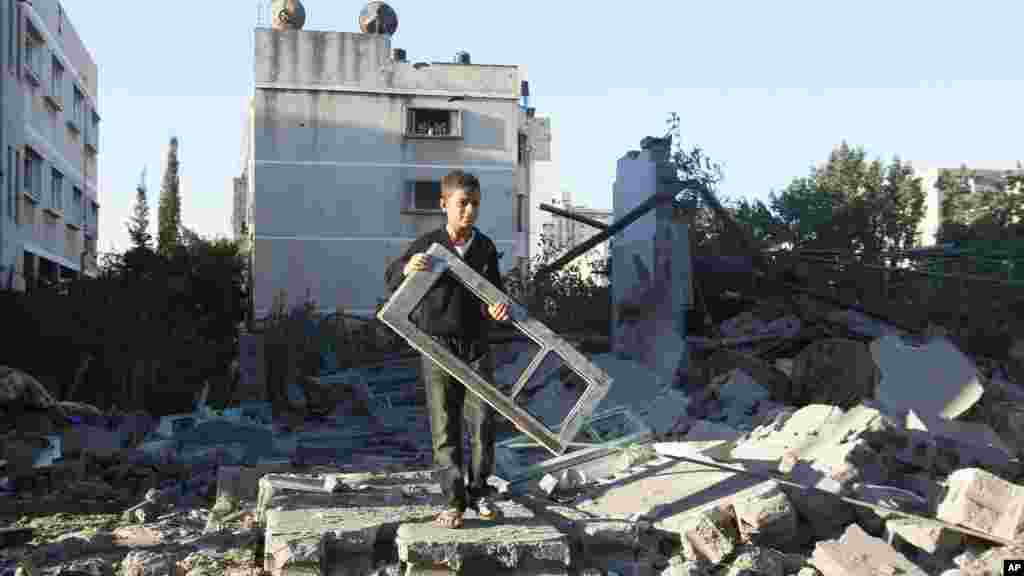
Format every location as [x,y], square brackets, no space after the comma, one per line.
[449,308]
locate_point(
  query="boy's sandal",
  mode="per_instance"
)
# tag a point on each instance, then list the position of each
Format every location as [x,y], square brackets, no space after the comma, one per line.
[450,518]
[486,509]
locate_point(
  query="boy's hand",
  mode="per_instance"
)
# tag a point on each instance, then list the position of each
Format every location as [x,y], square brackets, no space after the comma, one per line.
[417,263]
[498,311]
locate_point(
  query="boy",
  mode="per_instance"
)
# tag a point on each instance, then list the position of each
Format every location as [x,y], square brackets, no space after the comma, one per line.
[456,318]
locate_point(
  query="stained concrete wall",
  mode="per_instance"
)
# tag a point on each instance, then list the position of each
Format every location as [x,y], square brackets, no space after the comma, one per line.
[650,265]
[331,163]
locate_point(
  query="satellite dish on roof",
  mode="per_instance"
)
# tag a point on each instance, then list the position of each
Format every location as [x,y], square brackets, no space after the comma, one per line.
[287,15]
[378,18]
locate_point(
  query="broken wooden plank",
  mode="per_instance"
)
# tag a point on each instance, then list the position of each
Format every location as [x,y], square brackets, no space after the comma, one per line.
[395,313]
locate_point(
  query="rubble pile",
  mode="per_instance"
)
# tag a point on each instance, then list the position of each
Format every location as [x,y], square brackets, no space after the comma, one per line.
[806,441]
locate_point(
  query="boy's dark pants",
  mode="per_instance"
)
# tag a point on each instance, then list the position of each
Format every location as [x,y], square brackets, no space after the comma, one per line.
[449,402]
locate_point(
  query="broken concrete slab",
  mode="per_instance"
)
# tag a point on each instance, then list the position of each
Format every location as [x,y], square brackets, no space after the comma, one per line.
[833,371]
[938,542]
[313,529]
[526,570]
[932,378]
[856,553]
[243,482]
[711,535]
[864,422]
[519,540]
[787,432]
[767,518]
[983,501]
[964,444]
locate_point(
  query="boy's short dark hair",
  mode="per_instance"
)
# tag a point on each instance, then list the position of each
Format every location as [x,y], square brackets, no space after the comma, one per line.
[457,179]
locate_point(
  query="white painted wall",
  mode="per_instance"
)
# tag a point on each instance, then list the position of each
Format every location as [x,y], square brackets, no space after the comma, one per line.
[331,162]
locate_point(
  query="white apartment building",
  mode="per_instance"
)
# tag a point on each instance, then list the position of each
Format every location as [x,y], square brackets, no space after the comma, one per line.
[346,143]
[49,130]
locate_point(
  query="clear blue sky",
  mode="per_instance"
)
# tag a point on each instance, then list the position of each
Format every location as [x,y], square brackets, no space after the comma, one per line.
[766,88]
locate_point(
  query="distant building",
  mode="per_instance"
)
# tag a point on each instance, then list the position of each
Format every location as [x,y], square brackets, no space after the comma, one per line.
[344,150]
[49,130]
[988,175]
[567,233]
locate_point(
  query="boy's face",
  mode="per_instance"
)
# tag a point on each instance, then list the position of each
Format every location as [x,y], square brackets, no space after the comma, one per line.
[461,208]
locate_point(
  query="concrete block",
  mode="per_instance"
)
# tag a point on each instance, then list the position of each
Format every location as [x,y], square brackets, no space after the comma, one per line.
[320,528]
[824,513]
[242,482]
[711,535]
[787,432]
[983,501]
[934,378]
[934,540]
[516,540]
[856,553]
[767,519]
[534,570]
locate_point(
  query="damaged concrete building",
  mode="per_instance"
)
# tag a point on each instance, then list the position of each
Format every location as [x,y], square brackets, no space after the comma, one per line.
[346,142]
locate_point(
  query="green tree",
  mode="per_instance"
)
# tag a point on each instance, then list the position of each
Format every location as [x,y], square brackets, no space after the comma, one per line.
[993,210]
[169,210]
[854,204]
[138,225]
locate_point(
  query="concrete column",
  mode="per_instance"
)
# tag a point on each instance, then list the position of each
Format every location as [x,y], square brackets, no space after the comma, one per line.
[650,266]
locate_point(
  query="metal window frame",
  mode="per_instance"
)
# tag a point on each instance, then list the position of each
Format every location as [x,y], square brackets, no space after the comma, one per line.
[395,314]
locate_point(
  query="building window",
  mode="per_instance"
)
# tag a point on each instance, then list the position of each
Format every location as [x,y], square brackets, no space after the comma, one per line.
[57,191]
[522,148]
[93,224]
[433,123]
[423,195]
[56,83]
[33,175]
[12,175]
[92,134]
[33,54]
[78,109]
[11,42]
[520,213]
[76,207]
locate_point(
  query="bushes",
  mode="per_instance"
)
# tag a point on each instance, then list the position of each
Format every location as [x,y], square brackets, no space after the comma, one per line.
[569,300]
[156,328]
